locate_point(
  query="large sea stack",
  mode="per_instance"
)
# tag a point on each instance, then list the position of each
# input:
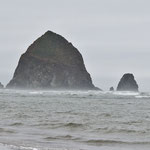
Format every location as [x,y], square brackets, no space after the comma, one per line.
[51,62]
[128,83]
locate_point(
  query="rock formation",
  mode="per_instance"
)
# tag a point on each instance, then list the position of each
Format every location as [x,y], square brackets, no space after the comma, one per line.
[111,89]
[127,83]
[1,86]
[51,62]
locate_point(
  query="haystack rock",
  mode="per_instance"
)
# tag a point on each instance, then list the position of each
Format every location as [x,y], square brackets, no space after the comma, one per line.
[1,86]
[51,62]
[128,83]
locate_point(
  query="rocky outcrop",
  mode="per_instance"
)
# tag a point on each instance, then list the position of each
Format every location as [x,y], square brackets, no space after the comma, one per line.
[127,83]
[1,86]
[111,89]
[51,62]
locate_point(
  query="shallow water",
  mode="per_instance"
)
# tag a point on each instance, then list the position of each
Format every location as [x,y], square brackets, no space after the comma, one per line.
[74,120]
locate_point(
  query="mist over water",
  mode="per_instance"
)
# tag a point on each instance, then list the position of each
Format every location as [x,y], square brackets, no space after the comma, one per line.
[74,120]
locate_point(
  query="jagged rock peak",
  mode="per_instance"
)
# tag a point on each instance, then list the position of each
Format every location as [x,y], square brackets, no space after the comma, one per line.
[128,83]
[51,62]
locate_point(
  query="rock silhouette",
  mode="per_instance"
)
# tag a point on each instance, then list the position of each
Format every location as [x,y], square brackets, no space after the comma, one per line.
[1,86]
[127,83]
[51,62]
[111,89]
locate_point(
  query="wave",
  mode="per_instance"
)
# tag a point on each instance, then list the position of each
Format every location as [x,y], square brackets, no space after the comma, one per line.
[75,94]
[73,125]
[16,124]
[14,147]
[142,96]
[107,142]
[59,125]
[65,137]
[126,93]
[2,130]
[89,94]
[117,130]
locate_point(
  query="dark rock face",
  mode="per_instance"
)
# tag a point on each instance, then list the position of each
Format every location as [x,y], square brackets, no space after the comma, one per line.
[111,89]
[127,83]
[51,62]
[1,86]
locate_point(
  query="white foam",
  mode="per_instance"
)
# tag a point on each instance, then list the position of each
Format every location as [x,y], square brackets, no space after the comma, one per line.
[13,147]
[140,96]
[126,93]
[122,148]
[36,92]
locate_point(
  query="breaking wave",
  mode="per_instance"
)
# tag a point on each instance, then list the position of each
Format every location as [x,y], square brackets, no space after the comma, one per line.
[13,147]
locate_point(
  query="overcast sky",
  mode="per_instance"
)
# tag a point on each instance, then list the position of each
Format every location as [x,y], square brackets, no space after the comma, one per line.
[112,35]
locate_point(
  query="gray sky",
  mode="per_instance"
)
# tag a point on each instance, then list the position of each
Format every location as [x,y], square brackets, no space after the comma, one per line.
[112,35]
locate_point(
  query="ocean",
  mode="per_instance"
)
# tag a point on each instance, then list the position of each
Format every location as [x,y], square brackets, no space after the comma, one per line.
[74,120]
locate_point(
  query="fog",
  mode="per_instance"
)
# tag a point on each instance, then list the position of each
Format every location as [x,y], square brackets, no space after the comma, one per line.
[112,35]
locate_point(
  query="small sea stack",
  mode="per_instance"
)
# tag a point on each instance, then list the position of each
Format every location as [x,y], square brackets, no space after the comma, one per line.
[128,83]
[1,86]
[111,88]
[51,62]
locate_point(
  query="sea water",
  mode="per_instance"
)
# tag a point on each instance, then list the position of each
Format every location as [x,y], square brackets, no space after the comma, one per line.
[74,120]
